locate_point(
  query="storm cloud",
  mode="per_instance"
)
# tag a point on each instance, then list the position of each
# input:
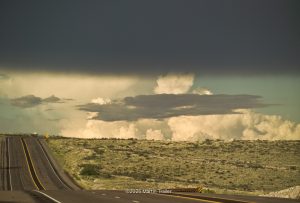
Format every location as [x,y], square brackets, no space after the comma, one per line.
[29,101]
[161,106]
[207,37]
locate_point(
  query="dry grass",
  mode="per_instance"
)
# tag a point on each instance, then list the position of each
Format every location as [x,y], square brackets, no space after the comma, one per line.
[245,166]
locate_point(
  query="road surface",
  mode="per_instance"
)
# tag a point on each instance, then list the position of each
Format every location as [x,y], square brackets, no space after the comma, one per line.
[29,173]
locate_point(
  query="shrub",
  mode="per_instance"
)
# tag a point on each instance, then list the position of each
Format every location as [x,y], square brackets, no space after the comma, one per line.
[89,169]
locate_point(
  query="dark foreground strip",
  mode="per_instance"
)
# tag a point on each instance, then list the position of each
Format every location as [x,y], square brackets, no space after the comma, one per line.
[53,167]
[216,199]
[8,165]
[31,167]
[40,197]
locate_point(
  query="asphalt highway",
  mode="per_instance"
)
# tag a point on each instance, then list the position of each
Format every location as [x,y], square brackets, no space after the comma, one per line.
[4,180]
[29,173]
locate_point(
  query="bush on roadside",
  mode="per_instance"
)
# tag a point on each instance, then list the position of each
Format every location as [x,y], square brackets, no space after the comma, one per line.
[89,169]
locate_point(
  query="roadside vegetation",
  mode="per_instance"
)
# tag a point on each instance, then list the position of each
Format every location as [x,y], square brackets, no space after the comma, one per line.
[239,166]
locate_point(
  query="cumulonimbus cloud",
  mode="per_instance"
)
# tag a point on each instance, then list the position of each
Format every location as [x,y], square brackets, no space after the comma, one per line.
[174,83]
[246,126]
[161,106]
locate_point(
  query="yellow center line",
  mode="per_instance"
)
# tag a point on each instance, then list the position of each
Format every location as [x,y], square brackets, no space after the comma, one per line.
[32,166]
[8,156]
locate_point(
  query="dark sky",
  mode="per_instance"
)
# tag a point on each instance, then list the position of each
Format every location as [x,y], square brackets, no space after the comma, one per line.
[208,37]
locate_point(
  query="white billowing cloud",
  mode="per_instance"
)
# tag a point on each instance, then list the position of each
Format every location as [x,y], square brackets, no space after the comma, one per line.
[101,101]
[202,91]
[174,83]
[246,126]
[102,129]
[142,129]
[154,135]
[91,115]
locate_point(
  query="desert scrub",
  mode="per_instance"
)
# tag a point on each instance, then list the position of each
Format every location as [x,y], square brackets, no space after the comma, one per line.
[248,166]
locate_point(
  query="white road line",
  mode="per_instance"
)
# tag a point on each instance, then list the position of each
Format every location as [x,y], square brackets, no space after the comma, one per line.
[11,188]
[117,197]
[54,200]
[135,201]
[51,165]
[103,194]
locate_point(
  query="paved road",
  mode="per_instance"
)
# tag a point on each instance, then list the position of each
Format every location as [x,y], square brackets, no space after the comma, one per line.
[30,174]
[5,182]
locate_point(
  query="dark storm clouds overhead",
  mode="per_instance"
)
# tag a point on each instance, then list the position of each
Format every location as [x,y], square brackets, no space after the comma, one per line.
[208,37]
[162,106]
